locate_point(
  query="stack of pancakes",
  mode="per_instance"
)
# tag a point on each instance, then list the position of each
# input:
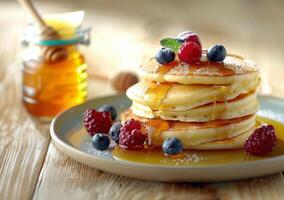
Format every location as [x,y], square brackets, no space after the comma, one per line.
[207,105]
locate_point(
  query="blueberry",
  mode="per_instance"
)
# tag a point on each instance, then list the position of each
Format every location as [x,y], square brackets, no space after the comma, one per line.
[110,109]
[216,53]
[100,141]
[165,55]
[172,146]
[115,131]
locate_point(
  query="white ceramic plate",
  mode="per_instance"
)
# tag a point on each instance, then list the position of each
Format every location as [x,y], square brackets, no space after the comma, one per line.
[66,134]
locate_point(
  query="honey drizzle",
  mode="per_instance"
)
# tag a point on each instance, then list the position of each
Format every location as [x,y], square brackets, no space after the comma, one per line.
[155,93]
[222,90]
[158,126]
[214,108]
[163,69]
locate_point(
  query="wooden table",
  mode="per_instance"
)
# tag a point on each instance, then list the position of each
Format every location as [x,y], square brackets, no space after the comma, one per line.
[124,33]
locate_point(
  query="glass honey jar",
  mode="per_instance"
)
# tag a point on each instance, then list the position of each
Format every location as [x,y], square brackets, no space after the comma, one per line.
[53,81]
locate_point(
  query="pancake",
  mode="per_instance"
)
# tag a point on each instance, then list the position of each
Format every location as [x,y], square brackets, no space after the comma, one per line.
[172,96]
[230,143]
[207,105]
[238,107]
[232,69]
[192,133]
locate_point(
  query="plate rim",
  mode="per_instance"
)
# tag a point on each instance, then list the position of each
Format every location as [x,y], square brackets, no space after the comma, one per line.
[73,149]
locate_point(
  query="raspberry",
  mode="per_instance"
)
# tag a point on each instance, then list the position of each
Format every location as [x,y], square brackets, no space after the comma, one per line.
[131,135]
[190,52]
[261,141]
[96,122]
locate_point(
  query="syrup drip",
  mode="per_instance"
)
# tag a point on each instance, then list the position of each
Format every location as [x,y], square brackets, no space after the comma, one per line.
[202,157]
[156,93]
[163,69]
[159,126]
[222,90]
[214,108]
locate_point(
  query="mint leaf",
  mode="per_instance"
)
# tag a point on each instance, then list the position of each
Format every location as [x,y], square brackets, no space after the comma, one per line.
[172,43]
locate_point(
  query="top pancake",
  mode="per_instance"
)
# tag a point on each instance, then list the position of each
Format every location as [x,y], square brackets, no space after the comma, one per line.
[232,69]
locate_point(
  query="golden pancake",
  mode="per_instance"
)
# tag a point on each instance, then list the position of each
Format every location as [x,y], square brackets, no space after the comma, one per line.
[172,96]
[238,107]
[230,143]
[232,69]
[192,133]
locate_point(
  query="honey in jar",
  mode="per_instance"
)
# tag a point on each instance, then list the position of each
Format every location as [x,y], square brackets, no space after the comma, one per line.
[52,81]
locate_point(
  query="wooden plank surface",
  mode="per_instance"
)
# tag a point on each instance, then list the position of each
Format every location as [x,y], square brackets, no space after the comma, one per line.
[23,141]
[63,178]
[30,166]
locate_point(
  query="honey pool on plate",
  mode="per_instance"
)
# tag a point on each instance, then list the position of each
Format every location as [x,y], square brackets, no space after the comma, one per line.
[201,158]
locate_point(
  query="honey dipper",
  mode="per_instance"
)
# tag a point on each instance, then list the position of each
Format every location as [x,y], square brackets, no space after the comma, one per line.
[120,81]
[50,53]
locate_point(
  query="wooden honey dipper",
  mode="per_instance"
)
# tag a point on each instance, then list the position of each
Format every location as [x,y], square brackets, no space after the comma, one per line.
[120,81]
[50,53]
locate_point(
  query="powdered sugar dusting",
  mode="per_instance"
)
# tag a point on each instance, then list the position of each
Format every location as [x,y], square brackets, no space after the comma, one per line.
[185,159]
[182,69]
[81,140]
[232,65]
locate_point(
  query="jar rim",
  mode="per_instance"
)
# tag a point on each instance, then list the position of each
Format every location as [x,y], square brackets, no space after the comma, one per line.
[77,35]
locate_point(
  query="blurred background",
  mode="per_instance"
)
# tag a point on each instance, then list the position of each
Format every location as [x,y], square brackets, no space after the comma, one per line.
[124,32]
